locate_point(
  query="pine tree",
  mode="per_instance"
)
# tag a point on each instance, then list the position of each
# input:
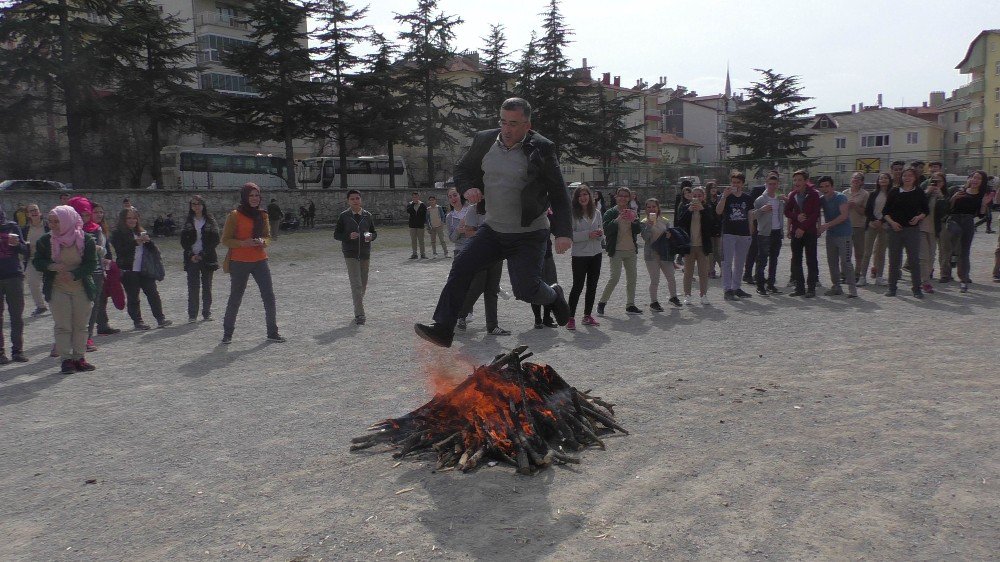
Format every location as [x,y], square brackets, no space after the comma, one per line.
[437,101]
[491,91]
[526,70]
[341,34]
[53,62]
[382,110]
[611,140]
[155,82]
[769,126]
[278,64]
[558,95]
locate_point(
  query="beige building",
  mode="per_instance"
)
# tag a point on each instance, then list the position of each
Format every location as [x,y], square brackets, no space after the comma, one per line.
[869,140]
[981,118]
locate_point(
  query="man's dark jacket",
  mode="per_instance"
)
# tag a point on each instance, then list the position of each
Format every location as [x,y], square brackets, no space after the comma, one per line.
[545,185]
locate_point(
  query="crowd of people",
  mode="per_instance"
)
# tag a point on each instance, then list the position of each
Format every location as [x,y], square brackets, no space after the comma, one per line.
[74,261]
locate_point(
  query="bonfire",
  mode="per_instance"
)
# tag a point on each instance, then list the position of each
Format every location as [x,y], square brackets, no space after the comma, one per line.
[509,411]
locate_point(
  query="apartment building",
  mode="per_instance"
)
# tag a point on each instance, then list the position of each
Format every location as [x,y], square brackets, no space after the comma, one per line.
[981,137]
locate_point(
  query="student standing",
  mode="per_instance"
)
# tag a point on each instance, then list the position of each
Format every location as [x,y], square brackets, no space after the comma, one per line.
[33,230]
[274,215]
[67,256]
[85,209]
[930,227]
[100,315]
[837,226]
[712,200]
[588,231]
[621,226]
[734,208]
[417,220]
[857,202]
[904,209]
[802,210]
[654,226]
[769,213]
[435,225]
[247,233]
[966,204]
[356,231]
[698,220]
[200,239]
[12,252]
[875,231]
[132,246]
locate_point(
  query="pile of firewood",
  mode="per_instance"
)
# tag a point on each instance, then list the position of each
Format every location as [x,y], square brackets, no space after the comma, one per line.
[521,414]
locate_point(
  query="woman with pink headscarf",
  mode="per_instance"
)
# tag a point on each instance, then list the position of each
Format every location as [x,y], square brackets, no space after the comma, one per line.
[67,258]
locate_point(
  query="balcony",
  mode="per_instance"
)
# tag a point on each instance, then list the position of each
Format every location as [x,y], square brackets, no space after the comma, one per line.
[975,113]
[216,19]
[971,89]
[973,137]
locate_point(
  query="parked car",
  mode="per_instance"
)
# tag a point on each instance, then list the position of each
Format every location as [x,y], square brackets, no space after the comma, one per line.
[695,180]
[39,185]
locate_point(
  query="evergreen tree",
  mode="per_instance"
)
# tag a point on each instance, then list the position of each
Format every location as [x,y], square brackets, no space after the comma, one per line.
[382,110]
[340,33]
[436,99]
[155,82]
[53,61]
[558,93]
[611,140]
[526,70]
[278,64]
[769,126]
[491,91]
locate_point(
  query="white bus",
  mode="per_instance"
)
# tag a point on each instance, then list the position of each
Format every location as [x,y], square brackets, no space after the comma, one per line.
[363,172]
[216,168]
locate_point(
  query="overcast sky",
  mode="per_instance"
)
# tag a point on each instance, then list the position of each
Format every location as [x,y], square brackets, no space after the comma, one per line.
[844,51]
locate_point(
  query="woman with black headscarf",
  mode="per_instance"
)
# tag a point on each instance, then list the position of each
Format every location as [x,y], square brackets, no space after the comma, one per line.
[247,233]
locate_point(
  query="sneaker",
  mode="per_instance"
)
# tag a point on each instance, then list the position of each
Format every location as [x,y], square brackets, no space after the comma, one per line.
[413,257]
[39,311]
[142,327]
[743,294]
[360,320]
[3,359]
[107,331]
[18,357]
[538,325]
[90,346]
[862,281]
[550,323]
[207,318]
[797,293]
[731,296]
[226,340]
[674,300]
[461,324]
[423,257]
[773,290]
[164,323]
[600,308]
[918,294]
[588,320]
[704,300]
[68,367]
[655,306]
[192,319]
[928,288]
[571,324]
[810,294]
[890,293]
[632,309]
[963,287]
[498,331]
[505,294]
[560,308]
[748,279]
[435,333]
[834,291]
[880,281]
[82,365]
[761,291]
[276,338]
[687,300]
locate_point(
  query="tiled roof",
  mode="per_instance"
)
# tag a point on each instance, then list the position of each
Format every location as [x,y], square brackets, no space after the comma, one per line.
[669,138]
[868,120]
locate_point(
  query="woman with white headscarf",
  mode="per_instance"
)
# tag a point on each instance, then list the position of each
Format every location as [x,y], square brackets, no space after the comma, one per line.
[67,257]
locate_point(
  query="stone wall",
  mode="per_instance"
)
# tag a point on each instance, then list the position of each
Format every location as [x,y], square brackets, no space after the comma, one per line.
[329,202]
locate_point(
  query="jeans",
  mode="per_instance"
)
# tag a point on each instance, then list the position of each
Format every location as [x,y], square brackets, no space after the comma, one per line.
[98,314]
[620,259]
[752,253]
[439,234]
[586,271]
[701,260]
[486,283]
[132,282]
[734,255]
[240,272]
[874,250]
[524,252]
[12,291]
[768,248]
[928,249]
[654,267]
[34,278]
[199,279]
[838,259]
[908,238]
[961,229]
[858,247]
[275,227]
[808,244]
[417,236]
[357,275]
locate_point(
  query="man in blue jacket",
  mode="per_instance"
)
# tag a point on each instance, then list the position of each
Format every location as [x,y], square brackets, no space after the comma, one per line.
[516,172]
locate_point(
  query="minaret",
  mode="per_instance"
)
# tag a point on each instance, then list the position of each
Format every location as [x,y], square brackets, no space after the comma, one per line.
[729,87]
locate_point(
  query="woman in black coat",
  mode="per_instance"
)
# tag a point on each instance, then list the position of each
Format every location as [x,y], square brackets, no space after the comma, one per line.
[133,247]
[200,237]
[701,242]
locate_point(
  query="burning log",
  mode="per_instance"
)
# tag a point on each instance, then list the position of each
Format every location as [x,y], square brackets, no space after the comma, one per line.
[522,414]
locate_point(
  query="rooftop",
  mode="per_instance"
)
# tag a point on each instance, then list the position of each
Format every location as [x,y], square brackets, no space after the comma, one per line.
[869,119]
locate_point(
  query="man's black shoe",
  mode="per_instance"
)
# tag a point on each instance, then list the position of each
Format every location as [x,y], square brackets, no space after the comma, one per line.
[773,290]
[435,333]
[742,294]
[748,279]
[798,293]
[560,308]
[761,291]
[810,294]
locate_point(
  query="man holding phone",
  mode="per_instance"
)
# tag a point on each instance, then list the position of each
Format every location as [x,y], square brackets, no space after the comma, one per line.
[621,226]
[356,230]
[735,207]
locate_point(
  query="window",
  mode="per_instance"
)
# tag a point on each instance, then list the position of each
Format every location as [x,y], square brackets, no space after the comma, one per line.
[996,119]
[841,168]
[996,94]
[956,117]
[912,138]
[874,140]
[956,136]
[996,147]
[211,47]
[841,142]
[998,68]
[227,83]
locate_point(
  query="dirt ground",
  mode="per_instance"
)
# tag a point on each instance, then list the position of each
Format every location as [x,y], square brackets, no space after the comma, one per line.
[776,428]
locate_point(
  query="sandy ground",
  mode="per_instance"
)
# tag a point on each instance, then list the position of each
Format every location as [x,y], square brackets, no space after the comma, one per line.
[776,428]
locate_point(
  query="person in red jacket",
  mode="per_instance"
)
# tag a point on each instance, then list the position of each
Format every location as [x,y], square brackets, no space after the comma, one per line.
[802,211]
